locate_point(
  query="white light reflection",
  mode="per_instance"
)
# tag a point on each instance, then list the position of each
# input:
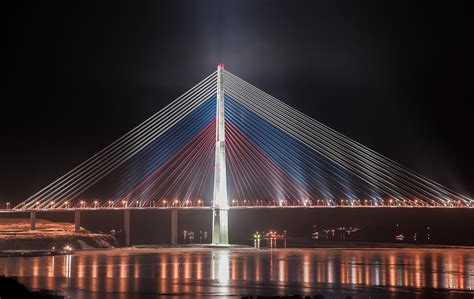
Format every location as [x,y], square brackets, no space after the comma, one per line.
[67,266]
[220,266]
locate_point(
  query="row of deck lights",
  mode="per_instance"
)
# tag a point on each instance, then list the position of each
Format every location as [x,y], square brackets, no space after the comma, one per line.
[349,202]
[82,204]
[244,203]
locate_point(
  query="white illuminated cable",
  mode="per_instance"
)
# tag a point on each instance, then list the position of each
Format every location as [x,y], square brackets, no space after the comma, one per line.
[334,153]
[255,130]
[370,165]
[137,146]
[316,145]
[165,111]
[190,155]
[358,146]
[110,147]
[324,146]
[170,141]
[422,189]
[114,144]
[109,166]
[149,154]
[412,185]
[261,133]
[332,173]
[266,107]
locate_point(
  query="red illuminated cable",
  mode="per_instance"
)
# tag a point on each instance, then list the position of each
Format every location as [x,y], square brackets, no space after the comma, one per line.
[207,140]
[183,150]
[164,168]
[195,171]
[248,172]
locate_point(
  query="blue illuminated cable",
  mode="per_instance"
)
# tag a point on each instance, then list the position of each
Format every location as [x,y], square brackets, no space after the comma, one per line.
[332,154]
[113,162]
[269,135]
[318,149]
[45,193]
[164,146]
[420,184]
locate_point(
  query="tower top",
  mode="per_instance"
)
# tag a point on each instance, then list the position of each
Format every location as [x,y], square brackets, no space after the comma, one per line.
[220,65]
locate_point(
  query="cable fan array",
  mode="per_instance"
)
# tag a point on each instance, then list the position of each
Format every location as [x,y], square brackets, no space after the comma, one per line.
[280,156]
[172,171]
[276,156]
[64,192]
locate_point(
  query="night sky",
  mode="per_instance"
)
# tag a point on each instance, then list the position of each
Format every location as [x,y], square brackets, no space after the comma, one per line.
[80,74]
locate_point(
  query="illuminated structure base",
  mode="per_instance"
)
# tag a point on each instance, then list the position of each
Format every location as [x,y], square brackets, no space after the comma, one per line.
[220,232]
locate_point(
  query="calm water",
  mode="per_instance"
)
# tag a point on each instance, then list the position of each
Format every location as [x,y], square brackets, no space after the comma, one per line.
[335,273]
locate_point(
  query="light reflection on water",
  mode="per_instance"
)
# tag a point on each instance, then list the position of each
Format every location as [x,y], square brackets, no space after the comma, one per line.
[142,273]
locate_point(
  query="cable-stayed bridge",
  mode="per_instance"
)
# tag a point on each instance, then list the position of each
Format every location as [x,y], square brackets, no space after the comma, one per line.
[226,144]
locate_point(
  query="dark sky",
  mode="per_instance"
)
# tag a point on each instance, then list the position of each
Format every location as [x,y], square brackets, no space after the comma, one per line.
[390,75]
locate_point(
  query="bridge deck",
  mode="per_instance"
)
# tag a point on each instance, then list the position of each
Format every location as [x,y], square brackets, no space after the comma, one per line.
[231,208]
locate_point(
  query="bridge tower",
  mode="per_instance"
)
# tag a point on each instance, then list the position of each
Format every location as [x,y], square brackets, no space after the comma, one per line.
[220,208]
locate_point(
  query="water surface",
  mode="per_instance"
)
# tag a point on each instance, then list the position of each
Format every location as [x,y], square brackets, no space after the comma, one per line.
[211,272]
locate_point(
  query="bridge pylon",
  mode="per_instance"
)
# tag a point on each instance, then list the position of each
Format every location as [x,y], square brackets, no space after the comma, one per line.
[220,208]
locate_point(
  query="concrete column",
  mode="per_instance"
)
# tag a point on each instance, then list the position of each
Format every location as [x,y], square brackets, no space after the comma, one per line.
[174,226]
[33,220]
[126,226]
[77,221]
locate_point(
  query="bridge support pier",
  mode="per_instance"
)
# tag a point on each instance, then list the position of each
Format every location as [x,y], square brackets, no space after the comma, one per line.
[174,227]
[77,221]
[220,235]
[126,227]
[33,220]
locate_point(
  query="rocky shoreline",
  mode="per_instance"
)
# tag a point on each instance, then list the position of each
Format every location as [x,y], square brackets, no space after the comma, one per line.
[15,235]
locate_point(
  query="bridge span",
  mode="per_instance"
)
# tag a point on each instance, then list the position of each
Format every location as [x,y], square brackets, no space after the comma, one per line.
[226,145]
